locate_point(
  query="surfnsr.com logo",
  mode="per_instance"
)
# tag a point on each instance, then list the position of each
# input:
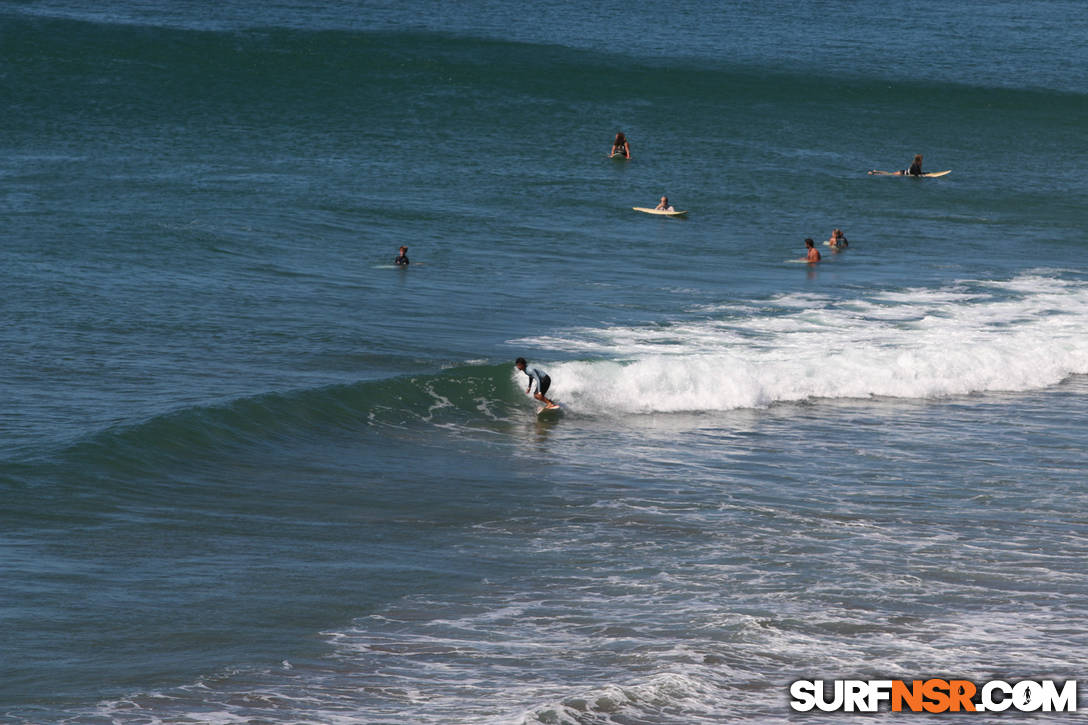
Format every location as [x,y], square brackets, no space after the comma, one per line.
[933,695]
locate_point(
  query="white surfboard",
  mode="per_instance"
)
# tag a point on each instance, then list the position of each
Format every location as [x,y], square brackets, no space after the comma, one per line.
[548,411]
[927,175]
[658,212]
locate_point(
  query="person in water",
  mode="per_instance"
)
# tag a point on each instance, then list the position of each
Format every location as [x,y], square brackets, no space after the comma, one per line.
[838,240]
[402,259]
[538,376]
[813,252]
[620,146]
[914,170]
[915,167]
[663,205]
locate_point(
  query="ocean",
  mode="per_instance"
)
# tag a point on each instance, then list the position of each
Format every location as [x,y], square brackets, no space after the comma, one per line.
[252,472]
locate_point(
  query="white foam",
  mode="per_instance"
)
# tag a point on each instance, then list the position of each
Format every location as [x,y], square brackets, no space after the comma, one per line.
[440,402]
[1028,333]
[663,692]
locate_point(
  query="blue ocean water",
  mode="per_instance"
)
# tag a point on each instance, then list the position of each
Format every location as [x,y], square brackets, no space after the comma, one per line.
[251,472]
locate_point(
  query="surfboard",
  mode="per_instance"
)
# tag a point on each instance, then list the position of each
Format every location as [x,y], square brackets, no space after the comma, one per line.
[547,412]
[927,175]
[658,212]
[618,155]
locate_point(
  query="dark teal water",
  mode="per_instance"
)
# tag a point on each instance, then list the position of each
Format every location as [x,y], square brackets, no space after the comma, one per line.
[251,472]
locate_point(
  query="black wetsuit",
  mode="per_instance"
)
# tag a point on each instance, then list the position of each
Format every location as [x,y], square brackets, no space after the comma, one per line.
[401,260]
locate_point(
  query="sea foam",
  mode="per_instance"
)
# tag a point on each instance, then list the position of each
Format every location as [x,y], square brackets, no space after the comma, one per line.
[1023,334]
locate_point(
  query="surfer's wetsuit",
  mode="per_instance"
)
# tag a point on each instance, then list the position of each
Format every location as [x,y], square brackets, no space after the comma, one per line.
[543,382]
[401,260]
[914,170]
[619,146]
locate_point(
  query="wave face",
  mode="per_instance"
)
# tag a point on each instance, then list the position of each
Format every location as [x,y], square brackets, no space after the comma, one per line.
[970,337]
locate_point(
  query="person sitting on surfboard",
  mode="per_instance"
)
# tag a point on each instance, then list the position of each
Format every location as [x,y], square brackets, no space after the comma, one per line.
[915,166]
[620,146]
[813,252]
[664,205]
[914,170]
[543,382]
[402,259]
[838,240]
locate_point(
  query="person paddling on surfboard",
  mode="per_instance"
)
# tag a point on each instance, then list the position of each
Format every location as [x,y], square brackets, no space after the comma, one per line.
[538,376]
[664,205]
[620,146]
[813,252]
[402,258]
